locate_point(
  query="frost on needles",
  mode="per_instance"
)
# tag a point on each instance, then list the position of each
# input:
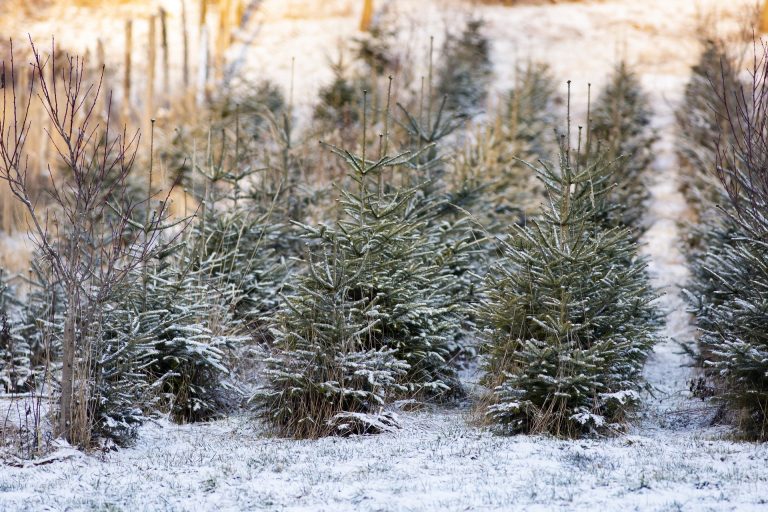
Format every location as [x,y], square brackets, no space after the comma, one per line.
[569,311]
[373,318]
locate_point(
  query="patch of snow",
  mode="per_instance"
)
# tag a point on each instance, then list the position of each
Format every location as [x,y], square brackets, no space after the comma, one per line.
[437,462]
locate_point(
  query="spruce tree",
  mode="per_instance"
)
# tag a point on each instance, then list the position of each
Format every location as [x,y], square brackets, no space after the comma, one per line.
[386,228]
[621,124]
[465,69]
[325,375]
[730,276]
[187,317]
[16,374]
[699,118]
[42,316]
[569,312]
[380,293]
[236,248]
[338,100]
[442,206]
[730,301]
[119,381]
[490,170]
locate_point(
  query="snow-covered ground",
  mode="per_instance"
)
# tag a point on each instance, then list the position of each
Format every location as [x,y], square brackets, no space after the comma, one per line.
[436,463]
[670,460]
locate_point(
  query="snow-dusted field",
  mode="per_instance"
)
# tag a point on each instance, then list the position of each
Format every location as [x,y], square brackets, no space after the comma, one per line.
[670,460]
[436,463]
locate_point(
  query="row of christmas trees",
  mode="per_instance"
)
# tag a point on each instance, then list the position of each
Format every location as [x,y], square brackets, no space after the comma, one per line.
[420,259]
[723,150]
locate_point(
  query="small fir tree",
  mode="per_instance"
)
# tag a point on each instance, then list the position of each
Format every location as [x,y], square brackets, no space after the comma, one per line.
[387,230]
[730,276]
[491,169]
[699,117]
[16,373]
[187,317]
[621,123]
[381,289]
[465,69]
[325,376]
[569,311]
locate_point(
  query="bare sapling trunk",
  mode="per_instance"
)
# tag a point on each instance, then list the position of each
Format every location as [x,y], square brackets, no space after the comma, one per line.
[87,232]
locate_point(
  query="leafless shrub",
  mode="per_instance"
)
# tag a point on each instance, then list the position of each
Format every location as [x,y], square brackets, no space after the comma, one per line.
[742,146]
[89,234]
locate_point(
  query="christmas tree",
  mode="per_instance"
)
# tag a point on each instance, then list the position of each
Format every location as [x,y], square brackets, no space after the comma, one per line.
[379,303]
[620,123]
[730,276]
[569,311]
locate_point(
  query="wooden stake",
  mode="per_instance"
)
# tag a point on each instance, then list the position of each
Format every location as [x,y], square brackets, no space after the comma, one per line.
[151,64]
[101,61]
[202,69]
[367,17]
[127,77]
[164,44]
[185,43]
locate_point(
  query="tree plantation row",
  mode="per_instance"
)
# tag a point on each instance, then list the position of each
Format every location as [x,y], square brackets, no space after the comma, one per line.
[238,264]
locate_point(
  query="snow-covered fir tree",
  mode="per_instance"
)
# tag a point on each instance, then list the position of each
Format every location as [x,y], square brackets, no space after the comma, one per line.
[381,289]
[441,204]
[187,317]
[464,70]
[490,169]
[326,374]
[621,124]
[728,292]
[699,118]
[569,312]
[731,306]
[386,229]
[236,247]
[16,374]
[119,382]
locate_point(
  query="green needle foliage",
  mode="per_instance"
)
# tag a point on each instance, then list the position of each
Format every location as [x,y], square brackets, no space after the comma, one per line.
[491,169]
[699,119]
[729,289]
[325,375]
[620,121]
[465,69]
[569,312]
[378,303]
[16,373]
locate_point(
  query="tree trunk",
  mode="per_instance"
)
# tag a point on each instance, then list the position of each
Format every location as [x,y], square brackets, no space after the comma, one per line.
[67,371]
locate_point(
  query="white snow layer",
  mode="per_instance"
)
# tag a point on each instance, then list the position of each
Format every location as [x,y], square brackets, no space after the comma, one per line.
[671,459]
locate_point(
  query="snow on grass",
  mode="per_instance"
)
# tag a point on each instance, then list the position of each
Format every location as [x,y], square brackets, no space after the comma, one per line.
[436,463]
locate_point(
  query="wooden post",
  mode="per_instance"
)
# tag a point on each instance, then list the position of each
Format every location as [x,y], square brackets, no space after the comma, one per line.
[166,61]
[127,76]
[202,69]
[228,20]
[202,62]
[764,18]
[367,17]
[203,14]
[101,60]
[185,43]
[151,64]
